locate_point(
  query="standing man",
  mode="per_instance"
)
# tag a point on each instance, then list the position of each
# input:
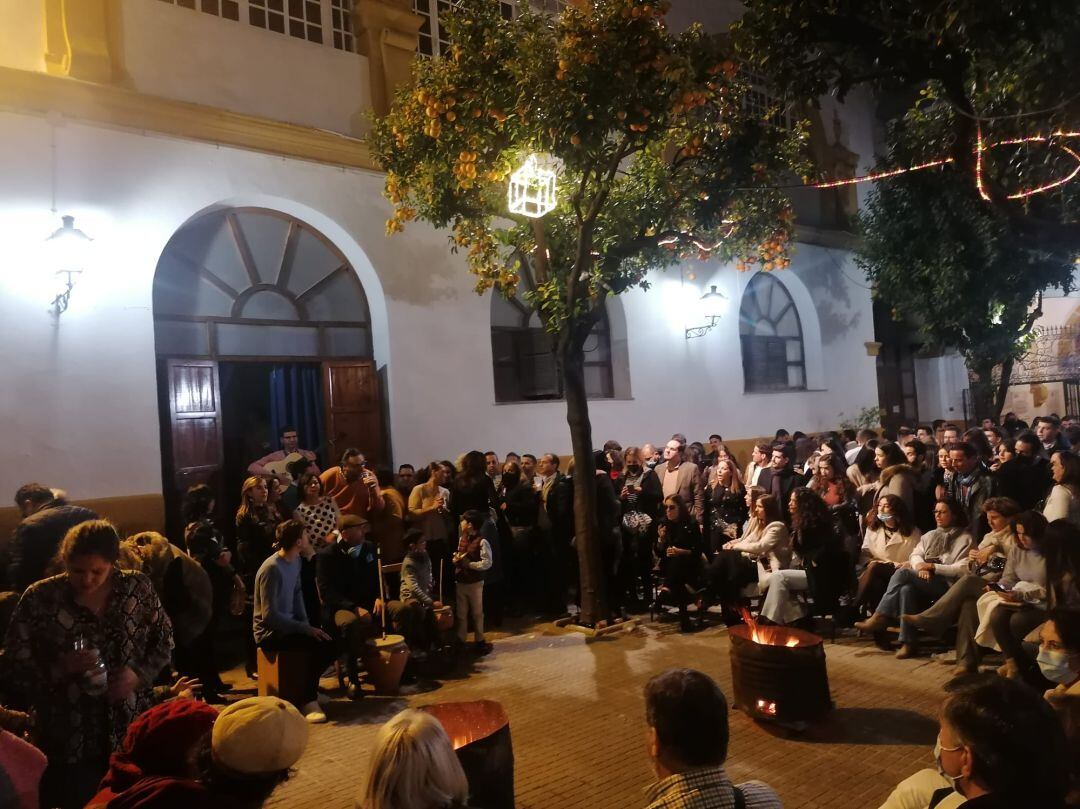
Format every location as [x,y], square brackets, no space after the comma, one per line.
[354,488]
[861,438]
[1048,429]
[348,576]
[687,715]
[650,455]
[715,442]
[46,518]
[779,479]
[555,521]
[290,443]
[492,467]
[405,480]
[682,478]
[528,467]
[759,459]
[950,434]
[970,485]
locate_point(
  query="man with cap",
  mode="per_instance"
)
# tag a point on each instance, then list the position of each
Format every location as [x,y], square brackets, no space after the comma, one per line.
[348,576]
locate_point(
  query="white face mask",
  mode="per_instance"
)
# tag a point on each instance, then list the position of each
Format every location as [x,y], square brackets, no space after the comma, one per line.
[952,779]
[1055,667]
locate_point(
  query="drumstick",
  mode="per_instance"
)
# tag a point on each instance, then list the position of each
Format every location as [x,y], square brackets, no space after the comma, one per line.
[382,588]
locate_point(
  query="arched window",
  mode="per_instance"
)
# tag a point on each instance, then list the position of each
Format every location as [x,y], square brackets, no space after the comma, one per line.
[249,282]
[522,356]
[772,339]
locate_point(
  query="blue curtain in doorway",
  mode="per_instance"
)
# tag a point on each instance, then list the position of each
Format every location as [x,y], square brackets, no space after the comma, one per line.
[296,400]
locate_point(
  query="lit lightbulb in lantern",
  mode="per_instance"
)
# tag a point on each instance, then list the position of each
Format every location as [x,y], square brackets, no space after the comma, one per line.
[532,189]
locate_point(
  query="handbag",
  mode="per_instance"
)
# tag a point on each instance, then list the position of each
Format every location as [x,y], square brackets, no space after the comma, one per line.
[636,522]
[237,598]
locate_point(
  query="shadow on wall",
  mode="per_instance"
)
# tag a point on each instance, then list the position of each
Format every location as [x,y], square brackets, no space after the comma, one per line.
[825,278]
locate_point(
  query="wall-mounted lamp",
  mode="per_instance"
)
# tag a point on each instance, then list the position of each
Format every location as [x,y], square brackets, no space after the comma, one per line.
[714,305]
[66,256]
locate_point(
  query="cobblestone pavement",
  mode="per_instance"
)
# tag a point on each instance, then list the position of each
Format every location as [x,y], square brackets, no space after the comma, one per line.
[578,727]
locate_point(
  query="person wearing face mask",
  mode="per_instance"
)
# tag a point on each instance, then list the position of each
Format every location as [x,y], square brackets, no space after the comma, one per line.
[937,562]
[890,538]
[1059,655]
[1026,766]
[1059,662]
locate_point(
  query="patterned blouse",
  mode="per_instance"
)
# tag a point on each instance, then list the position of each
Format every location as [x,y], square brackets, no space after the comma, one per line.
[321,518]
[133,631]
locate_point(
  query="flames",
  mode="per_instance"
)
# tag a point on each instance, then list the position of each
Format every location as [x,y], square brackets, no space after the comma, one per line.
[768,635]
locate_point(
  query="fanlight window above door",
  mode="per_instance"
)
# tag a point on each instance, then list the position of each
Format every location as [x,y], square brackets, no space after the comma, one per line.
[249,282]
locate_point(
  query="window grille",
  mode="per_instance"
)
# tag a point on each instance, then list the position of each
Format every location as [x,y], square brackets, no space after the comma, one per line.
[771,335]
[229,9]
[298,18]
[341,25]
[523,360]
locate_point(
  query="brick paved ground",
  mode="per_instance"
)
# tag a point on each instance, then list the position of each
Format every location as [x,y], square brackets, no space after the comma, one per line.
[578,728]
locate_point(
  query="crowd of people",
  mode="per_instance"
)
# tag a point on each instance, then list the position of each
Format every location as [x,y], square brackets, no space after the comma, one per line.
[927,531]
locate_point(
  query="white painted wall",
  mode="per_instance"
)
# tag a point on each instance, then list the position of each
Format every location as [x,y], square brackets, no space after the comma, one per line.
[191,56]
[940,382]
[80,404]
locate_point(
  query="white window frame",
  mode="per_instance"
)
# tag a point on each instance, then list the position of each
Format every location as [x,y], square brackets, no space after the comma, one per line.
[330,33]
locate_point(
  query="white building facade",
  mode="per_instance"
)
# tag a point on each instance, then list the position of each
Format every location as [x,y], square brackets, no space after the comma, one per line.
[182,132]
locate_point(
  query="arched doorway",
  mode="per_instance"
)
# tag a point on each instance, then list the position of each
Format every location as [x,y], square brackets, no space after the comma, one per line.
[260,322]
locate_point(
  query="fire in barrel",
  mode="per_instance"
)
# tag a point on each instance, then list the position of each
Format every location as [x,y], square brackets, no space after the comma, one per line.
[778,673]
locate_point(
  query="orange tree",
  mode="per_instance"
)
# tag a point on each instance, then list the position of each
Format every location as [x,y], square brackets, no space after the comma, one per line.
[659,159]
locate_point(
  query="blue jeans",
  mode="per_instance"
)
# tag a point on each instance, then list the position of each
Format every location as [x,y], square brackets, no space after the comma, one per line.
[908,594]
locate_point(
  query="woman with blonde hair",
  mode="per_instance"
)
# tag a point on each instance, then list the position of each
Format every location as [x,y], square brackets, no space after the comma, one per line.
[413,766]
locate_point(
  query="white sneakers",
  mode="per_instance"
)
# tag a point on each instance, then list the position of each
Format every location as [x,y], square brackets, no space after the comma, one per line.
[313,713]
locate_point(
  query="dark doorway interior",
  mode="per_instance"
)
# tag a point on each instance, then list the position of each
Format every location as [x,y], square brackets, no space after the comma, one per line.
[257,399]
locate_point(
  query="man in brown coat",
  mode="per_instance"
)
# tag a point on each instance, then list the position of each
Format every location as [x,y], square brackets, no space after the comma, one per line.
[682,478]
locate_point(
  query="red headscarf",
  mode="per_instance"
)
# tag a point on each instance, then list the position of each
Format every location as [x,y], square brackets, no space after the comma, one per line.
[159,743]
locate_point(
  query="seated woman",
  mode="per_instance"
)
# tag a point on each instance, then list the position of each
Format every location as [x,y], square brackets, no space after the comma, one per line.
[818,563]
[83,650]
[413,766]
[958,605]
[726,502]
[1017,602]
[1059,662]
[1064,500]
[890,538]
[937,562]
[680,550]
[895,474]
[764,548]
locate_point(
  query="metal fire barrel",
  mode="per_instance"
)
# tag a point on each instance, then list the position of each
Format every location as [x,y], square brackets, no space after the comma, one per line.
[775,682]
[480,733]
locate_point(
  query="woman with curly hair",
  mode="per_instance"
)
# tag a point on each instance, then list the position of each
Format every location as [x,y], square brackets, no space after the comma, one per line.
[819,564]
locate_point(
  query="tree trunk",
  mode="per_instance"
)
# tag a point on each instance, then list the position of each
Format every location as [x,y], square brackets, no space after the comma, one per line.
[981,386]
[1002,389]
[586,524]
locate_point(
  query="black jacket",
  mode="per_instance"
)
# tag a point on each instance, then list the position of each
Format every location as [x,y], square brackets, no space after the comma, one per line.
[347,580]
[37,539]
[788,481]
[1026,480]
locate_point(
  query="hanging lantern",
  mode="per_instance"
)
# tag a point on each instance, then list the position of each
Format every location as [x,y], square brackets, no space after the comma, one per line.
[532,189]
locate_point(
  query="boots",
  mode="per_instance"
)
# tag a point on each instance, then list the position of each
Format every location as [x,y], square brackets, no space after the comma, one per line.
[877,622]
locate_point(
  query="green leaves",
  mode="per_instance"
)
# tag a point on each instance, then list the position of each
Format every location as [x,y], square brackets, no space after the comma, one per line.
[660,158]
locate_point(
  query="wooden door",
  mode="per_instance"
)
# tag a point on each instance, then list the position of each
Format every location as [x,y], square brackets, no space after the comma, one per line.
[353,410]
[193,452]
